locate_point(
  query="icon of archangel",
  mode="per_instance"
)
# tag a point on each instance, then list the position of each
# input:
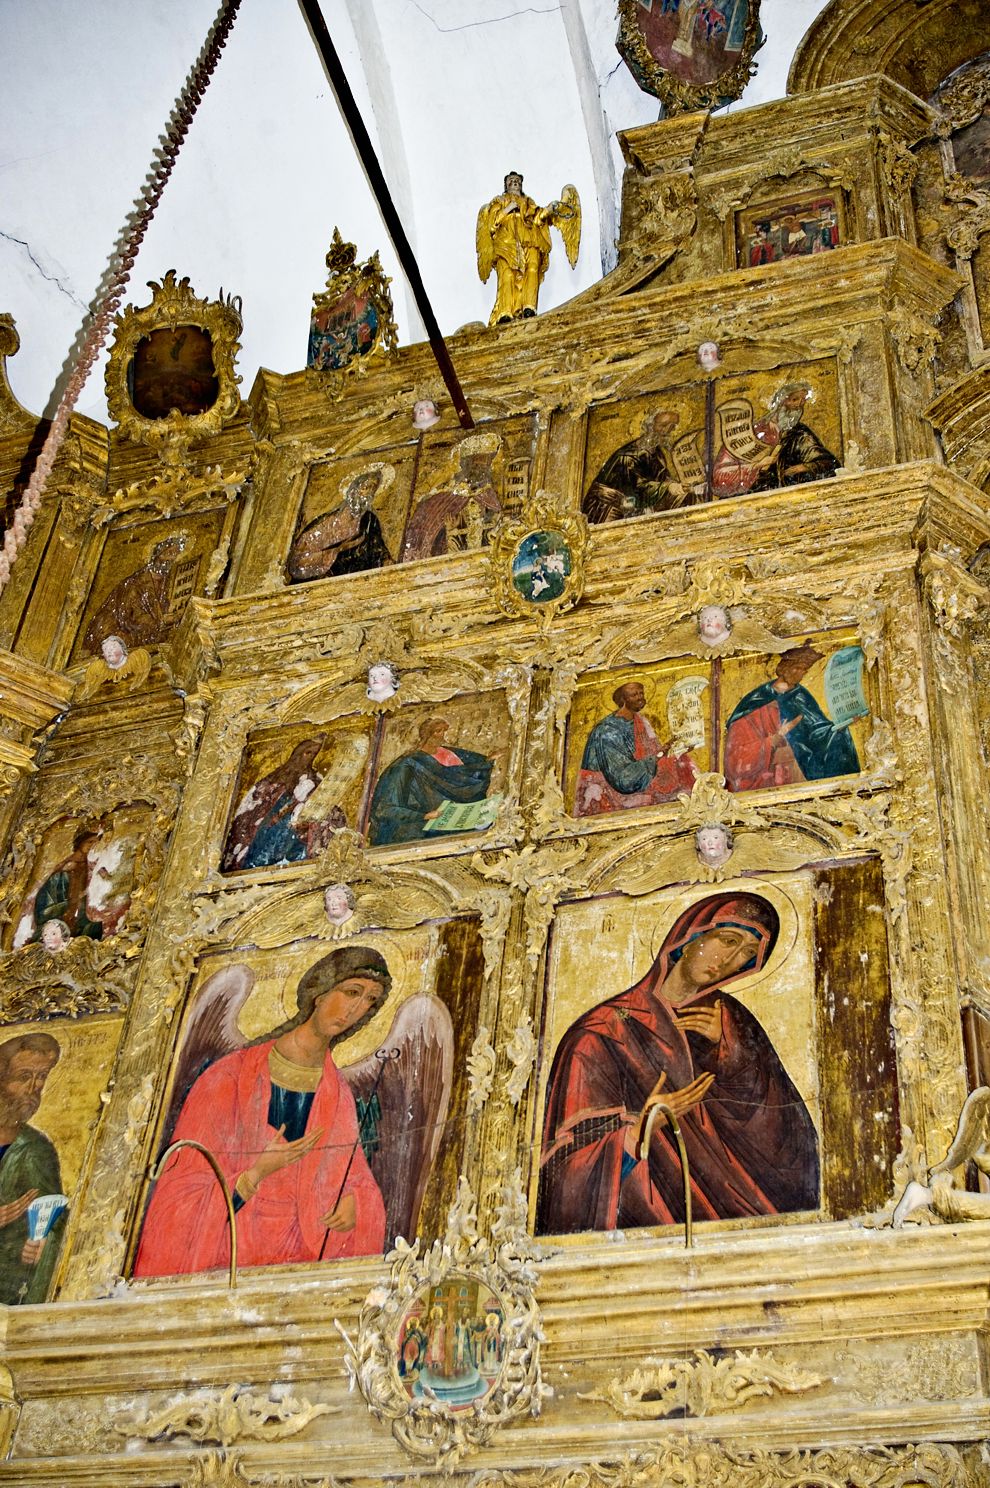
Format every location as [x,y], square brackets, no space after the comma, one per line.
[323,1160]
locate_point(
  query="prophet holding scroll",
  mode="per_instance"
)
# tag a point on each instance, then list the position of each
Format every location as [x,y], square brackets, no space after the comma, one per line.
[677,1037]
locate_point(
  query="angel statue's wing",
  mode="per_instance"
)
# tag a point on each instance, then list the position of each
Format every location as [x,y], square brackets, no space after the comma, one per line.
[212,1032]
[401,1121]
[486,248]
[972,1134]
[568,222]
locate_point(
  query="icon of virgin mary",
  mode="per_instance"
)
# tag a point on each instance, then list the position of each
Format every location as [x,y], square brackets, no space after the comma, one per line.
[677,1036]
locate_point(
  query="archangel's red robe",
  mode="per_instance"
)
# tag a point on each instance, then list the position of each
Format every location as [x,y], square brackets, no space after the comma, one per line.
[185,1228]
[751,1143]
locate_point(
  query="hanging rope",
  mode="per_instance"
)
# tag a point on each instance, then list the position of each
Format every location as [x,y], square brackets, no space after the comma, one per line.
[111,289]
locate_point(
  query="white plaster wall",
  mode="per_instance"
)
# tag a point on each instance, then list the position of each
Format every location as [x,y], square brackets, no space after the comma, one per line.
[454,92]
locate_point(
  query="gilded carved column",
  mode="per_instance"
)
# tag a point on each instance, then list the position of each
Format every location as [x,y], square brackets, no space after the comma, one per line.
[31,700]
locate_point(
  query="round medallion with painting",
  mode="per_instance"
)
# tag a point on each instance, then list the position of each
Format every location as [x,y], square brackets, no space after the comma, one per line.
[449,1346]
[541,566]
[696,40]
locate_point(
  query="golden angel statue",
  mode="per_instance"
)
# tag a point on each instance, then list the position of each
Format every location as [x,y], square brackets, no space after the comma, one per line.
[942,1195]
[514,239]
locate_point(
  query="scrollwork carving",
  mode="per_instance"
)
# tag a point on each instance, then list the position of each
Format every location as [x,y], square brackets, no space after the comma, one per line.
[236,1414]
[675,1460]
[481,1070]
[898,165]
[937,1369]
[702,1385]
[520,1051]
[915,339]
[539,872]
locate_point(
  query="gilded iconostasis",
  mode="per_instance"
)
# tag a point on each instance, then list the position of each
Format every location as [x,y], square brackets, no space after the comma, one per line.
[493,915]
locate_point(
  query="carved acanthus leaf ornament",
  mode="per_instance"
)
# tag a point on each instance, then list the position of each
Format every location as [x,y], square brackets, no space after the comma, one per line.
[542,874]
[702,1385]
[719,1466]
[235,1414]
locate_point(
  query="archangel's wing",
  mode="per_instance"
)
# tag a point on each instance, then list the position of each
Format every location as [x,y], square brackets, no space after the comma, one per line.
[212,1032]
[568,221]
[401,1121]
[972,1133]
[485,246]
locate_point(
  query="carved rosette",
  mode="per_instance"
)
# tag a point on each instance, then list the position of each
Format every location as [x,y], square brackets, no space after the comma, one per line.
[431,1428]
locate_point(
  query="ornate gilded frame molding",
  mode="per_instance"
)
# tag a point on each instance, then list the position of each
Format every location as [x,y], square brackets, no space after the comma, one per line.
[173,304]
[428,1428]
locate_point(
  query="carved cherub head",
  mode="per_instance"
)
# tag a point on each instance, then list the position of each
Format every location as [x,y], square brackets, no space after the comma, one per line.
[383,681]
[114,651]
[714,625]
[425,413]
[708,356]
[713,844]
[55,936]
[339,903]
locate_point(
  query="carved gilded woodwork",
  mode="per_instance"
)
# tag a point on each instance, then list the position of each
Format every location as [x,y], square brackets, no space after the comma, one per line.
[681,84]
[778,1332]
[351,322]
[175,334]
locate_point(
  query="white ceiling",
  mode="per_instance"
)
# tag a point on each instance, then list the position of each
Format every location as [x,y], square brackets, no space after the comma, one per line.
[454,92]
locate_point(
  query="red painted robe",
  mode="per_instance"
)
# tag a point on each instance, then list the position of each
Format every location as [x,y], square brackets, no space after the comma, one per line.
[753,761]
[185,1228]
[751,1143]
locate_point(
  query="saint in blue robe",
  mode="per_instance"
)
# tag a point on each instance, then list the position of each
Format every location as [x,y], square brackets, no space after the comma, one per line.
[417,783]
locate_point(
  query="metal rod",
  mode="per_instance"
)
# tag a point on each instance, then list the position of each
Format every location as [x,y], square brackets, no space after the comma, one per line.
[228,1196]
[644,1153]
[393,223]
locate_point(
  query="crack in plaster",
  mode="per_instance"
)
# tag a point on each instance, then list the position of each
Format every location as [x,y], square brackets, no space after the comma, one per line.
[50,278]
[493,21]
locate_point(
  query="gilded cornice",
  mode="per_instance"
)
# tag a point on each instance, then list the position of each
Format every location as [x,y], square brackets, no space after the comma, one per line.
[837,1302]
[31,695]
[916,45]
[807,307]
[810,530]
[962,416]
[825,127]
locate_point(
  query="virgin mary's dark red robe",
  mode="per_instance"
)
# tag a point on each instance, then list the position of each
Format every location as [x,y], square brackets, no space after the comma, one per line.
[751,1143]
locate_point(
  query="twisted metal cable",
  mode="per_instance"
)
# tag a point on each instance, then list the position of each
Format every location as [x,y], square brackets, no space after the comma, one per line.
[110,291]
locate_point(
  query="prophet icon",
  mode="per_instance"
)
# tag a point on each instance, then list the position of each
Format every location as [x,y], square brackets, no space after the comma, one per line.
[778,733]
[31,1204]
[275,821]
[147,604]
[638,477]
[678,1037]
[624,762]
[779,449]
[461,510]
[348,539]
[416,792]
